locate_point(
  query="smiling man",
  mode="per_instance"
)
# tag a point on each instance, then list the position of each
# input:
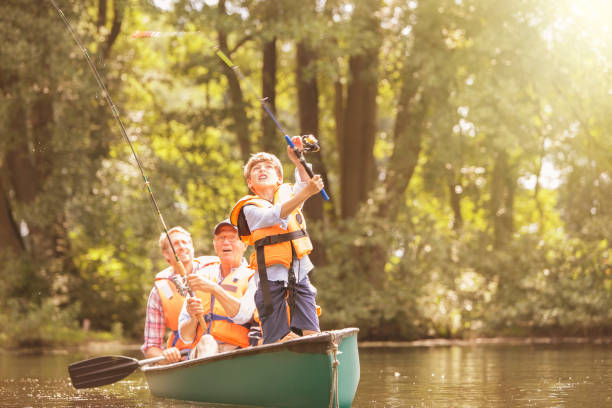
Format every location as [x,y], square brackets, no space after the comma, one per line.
[224,295]
[168,295]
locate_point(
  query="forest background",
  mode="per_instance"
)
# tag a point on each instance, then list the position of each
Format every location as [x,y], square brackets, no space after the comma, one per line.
[465,146]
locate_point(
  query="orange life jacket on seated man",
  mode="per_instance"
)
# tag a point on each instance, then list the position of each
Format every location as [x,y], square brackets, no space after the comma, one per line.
[172,299]
[219,325]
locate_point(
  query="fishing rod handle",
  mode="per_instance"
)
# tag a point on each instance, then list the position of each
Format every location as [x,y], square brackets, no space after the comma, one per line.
[304,164]
[190,291]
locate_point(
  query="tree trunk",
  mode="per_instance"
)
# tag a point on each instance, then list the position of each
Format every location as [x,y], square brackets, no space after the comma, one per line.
[118,8]
[338,111]
[42,137]
[272,139]
[502,200]
[308,105]
[10,238]
[356,152]
[102,7]
[455,201]
[18,162]
[238,108]
[357,166]
[409,125]
[412,107]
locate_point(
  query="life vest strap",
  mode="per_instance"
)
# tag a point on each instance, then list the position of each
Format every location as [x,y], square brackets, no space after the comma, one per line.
[261,261]
[277,239]
[176,337]
[211,317]
[291,288]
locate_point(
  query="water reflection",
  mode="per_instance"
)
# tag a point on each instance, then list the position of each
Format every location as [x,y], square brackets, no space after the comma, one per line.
[486,376]
[455,376]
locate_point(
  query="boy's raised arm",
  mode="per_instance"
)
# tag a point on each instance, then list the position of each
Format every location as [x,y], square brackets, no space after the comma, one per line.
[313,186]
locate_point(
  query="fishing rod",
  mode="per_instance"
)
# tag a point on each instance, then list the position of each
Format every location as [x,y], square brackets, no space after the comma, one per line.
[115,111]
[308,138]
[310,143]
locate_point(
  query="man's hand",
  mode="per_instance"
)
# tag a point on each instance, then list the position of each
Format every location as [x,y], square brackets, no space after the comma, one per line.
[172,354]
[194,307]
[197,282]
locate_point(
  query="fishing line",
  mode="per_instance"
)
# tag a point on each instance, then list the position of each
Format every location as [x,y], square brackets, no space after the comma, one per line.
[115,111]
[309,141]
[264,105]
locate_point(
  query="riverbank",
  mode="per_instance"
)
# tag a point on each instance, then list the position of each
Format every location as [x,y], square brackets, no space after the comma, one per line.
[109,346]
[486,341]
[88,347]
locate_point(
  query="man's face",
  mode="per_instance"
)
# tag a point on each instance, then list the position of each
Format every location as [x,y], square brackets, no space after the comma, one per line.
[228,245]
[182,245]
[263,174]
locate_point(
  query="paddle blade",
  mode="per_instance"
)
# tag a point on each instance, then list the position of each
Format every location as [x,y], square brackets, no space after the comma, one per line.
[100,371]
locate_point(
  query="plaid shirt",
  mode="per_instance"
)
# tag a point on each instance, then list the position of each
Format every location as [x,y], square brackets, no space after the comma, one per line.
[155,323]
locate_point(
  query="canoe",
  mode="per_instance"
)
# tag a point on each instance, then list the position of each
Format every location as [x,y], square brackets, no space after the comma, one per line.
[320,370]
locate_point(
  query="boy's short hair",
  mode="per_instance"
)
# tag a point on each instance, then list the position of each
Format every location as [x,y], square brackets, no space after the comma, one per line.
[164,245]
[261,157]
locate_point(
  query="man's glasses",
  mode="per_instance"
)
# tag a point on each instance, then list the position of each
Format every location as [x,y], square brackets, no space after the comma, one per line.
[230,238]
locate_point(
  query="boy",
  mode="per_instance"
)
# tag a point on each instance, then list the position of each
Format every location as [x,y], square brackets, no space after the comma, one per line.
[273,222]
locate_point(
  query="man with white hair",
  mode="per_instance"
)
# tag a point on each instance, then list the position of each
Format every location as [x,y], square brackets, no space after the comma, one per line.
[224,295]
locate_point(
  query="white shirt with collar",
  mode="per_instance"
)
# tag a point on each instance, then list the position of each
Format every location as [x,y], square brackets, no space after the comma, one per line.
[247,302]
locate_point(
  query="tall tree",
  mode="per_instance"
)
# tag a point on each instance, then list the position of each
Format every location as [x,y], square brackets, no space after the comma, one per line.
[238,104]
[308,108]
[270,137]
[357,166]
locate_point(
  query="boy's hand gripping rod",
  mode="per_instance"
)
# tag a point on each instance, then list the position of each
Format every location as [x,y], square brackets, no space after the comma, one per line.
[264,105]
[127,139]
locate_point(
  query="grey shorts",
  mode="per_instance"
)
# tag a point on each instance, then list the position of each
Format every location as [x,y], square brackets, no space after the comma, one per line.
[276,325]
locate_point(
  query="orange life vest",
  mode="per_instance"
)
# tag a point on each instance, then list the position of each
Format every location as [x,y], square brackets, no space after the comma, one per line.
[172,300]
[219,325]
[281,252]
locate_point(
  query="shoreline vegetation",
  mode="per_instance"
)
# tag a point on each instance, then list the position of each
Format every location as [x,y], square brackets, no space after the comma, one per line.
[99,346]
[468,189]
[511,341]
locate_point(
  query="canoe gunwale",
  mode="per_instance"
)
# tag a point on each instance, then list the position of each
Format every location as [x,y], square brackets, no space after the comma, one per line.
[316,343]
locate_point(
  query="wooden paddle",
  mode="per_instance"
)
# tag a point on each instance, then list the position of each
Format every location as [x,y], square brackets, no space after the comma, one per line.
[99,371]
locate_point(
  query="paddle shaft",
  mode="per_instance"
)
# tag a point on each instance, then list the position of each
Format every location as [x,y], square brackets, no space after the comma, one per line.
[151,360]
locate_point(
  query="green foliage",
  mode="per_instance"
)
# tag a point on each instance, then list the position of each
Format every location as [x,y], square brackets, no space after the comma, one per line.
[506,115]
[30,324]
[438,285]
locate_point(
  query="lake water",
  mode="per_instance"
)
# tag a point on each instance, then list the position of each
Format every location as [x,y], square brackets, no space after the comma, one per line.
[563,375]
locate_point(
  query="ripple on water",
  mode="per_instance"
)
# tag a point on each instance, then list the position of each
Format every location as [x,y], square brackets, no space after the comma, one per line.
[487,376]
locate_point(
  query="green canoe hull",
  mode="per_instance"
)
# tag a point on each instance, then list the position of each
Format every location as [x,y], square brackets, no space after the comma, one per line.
[295,374]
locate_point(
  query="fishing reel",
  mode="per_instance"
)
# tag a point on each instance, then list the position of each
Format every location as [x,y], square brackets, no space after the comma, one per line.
[310,144]
[181,285]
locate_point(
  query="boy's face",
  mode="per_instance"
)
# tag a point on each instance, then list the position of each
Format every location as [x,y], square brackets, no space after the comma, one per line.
[263,175]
